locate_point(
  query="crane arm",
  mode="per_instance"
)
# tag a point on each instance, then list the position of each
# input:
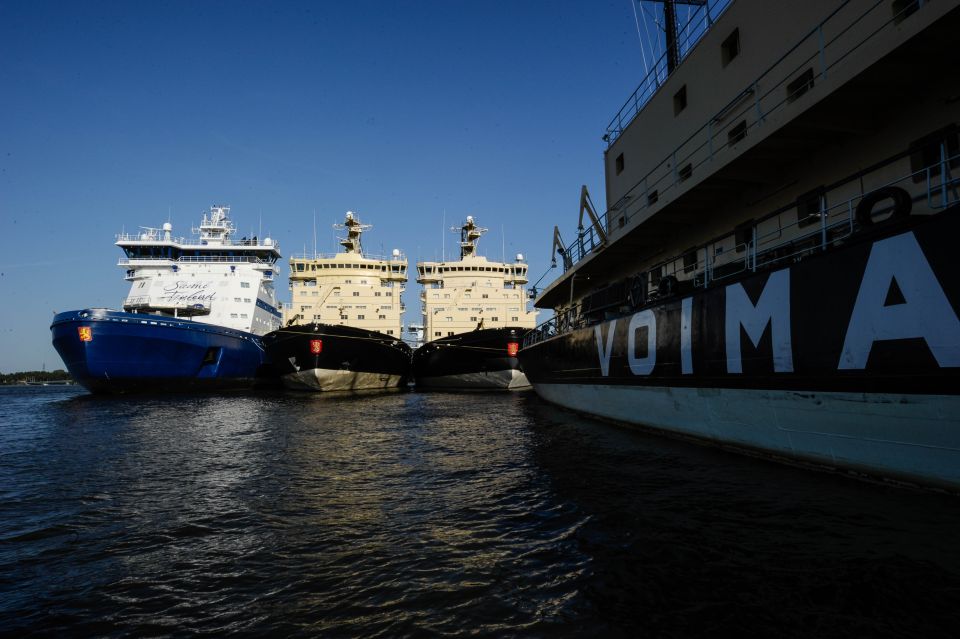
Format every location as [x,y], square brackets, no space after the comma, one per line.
[586,205]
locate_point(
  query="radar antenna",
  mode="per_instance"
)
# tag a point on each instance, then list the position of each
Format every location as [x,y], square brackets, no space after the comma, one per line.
[351,243]
[469,235]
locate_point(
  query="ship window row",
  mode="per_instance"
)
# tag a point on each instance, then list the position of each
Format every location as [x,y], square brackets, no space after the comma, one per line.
[315,283]
[300,267]
[197,255]
[429,270]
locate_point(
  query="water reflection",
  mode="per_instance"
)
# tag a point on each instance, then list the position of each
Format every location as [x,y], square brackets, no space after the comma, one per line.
[414,513]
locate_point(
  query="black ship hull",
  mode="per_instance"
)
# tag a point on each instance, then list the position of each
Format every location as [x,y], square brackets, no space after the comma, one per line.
[484,359]
[324,357]
[849,358]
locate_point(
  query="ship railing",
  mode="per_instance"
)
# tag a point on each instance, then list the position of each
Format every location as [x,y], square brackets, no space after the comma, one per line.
[157,235]
[805,65]
[817,226]
[699,22]
[330,256]
[149,235]
[838,24]
[767,243]
[223,259]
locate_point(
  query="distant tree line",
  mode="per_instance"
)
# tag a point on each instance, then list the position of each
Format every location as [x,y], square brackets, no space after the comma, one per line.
[34,376]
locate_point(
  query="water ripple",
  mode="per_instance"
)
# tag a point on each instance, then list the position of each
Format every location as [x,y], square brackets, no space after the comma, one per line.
[408,514]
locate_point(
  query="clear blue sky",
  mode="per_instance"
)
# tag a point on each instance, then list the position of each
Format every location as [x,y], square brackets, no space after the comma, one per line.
[114,114]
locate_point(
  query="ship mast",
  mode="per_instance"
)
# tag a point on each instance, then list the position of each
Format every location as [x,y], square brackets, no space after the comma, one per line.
[670,30]
[469,235]
[351,243]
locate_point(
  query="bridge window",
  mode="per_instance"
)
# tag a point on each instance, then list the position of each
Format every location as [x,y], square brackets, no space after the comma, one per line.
[619,164]
[925,152]
[737,133]
[730,47]
[808,207]
[680,100]
[743,234]
[802,84]
[902,9]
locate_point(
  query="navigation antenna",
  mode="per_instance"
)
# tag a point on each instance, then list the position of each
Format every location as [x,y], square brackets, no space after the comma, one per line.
[643,52]
[354,228]
[469,235]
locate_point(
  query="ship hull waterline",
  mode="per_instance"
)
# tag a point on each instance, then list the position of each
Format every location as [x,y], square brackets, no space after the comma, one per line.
[848,359]
[479,360]
[322,357]
[117,352]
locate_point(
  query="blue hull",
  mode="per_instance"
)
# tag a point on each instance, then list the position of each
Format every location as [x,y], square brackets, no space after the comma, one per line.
[117,352]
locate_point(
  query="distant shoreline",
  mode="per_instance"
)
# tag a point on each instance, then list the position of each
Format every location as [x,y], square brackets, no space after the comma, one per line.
[37,378]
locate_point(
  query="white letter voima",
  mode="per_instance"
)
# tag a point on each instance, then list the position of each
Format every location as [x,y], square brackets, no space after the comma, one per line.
[772,308]
[642,365]
[926,312]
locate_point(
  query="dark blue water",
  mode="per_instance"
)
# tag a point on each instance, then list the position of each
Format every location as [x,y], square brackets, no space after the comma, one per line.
[414,514]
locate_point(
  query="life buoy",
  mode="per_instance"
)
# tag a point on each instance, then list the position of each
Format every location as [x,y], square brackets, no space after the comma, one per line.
[667,285]
[902,204]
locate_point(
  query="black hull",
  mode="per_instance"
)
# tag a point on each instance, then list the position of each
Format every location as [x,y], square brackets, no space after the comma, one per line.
[326,357]
[478,360]
[800,328]
[849,358]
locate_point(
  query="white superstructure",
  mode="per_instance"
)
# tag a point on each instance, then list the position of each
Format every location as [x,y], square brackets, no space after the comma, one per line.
[348,288]
[472,292]
[211,278]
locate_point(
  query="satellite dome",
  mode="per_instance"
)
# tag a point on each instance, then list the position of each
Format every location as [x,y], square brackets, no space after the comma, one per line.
[267,241]
[396,252]
[469,219]
[349,215]
[167,226]
[519,257]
